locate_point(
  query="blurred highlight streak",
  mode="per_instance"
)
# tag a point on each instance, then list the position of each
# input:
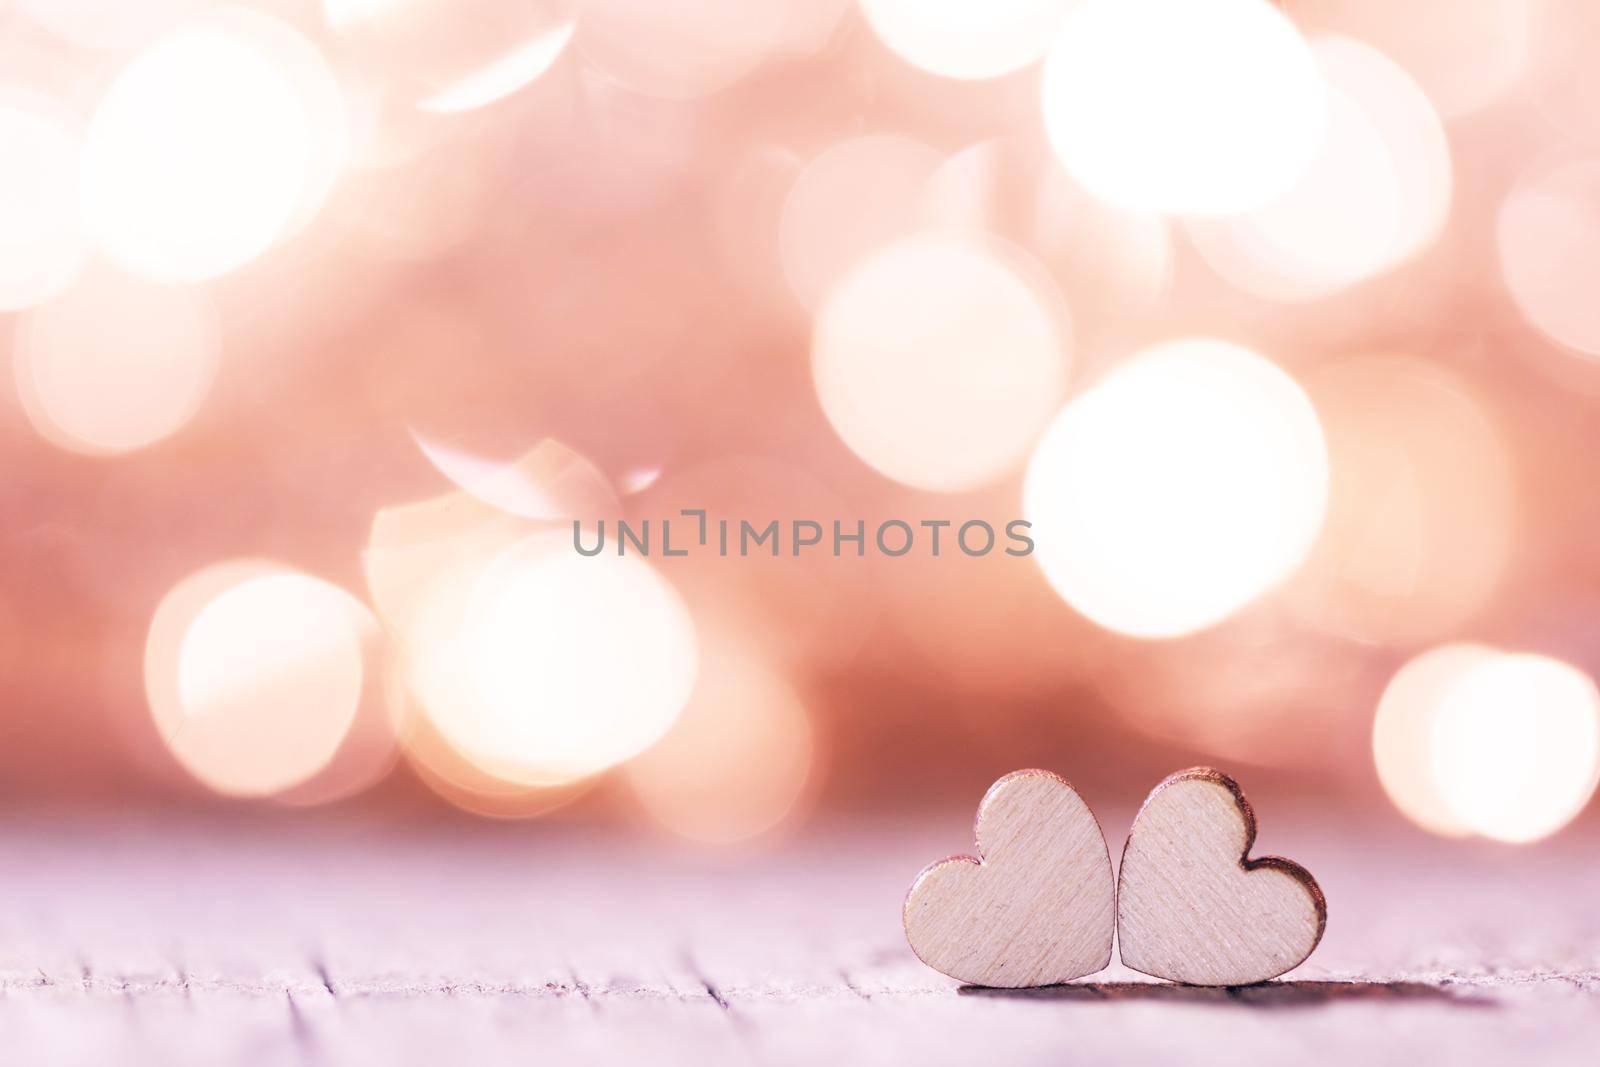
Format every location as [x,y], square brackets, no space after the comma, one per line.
[325,318]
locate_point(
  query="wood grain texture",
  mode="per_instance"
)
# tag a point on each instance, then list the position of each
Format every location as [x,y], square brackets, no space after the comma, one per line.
[1193,906]
[1036,906]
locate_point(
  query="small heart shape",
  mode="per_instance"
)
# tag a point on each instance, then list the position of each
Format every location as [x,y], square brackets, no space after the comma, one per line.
[1037,905]
[1194,907]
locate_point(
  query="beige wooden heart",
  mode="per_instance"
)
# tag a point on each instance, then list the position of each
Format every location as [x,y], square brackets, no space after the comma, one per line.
[1035,907]
[1193,907]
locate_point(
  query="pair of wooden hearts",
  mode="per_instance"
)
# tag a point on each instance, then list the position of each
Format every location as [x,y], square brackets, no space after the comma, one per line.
[1037,905]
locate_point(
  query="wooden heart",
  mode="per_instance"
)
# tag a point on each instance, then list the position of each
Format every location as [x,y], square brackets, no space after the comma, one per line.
[1194,907]
[1035,907]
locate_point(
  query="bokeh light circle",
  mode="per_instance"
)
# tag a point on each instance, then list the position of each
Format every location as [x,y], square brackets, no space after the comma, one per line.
[961,39]
[1183,106]
[560,665]
[1465,54]
[115,363]
[1516,746]
[1189,480]
[735,763]
[1549,242]
[1402,734]
[254,674]
[1377,192]
[41,242]
[1472,740]
[203,150]
[938,361]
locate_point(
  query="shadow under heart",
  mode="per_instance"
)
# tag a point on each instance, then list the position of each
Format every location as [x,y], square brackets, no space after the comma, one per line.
[1290,994]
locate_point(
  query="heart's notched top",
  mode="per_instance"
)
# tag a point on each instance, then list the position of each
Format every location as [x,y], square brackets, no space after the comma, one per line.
[1194,907]
[1036,906]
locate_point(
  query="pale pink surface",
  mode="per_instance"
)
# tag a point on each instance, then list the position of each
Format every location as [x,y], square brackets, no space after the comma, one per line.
[158,940]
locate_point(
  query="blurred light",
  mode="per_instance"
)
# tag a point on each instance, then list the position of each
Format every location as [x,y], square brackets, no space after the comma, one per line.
[1188,106]
[479,793]
[344,14]
[254,674]
[115,364]
[41,243]
[453,777]
[1516,746]
[1465,53]
[1117,264]
[736,761]
[704,46]
[420,554]
[1189,480]
[1549,238]
[576,663]
[372,747]
[177,612]
[798,611]
[208,145]
[810,27]
[110,25]
[1422,504]
[369,752]
[450,56]
[386,129]
[638,480]
[1562,78]
[535,664]
[938,360]
[550,481]
[1377,193]
[684,49]
[1403,733]
[503,76]
[961,39]
[852,199]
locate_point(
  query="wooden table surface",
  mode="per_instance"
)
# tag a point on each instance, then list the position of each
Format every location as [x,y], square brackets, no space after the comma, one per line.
[171,939]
